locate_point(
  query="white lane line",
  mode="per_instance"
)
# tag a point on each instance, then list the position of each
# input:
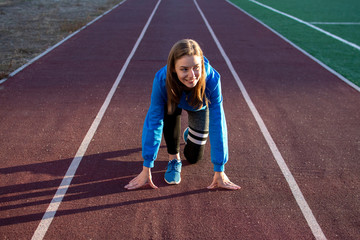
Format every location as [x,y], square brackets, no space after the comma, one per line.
[62,189]
[313,224]
[341,77]
[57,44]
[335,23]
[307,24]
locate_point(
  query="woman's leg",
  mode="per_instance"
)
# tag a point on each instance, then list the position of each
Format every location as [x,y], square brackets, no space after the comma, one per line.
[198,134]
[172,131]
[172,128]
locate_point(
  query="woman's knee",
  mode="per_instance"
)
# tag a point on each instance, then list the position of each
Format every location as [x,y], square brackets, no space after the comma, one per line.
[193,153]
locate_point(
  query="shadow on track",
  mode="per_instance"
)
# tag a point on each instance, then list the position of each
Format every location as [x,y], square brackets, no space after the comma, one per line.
[98,175]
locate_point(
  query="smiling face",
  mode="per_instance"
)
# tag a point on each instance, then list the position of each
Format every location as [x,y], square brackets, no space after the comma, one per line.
[188,70]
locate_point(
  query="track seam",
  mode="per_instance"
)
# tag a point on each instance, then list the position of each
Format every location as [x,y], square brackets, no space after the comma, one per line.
[62,189]
[295,189]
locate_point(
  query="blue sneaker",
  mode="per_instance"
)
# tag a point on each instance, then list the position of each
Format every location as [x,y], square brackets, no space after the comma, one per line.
[172,174]
[185,134]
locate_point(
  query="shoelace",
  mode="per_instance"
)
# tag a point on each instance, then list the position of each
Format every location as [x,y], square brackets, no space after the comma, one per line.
[174,166]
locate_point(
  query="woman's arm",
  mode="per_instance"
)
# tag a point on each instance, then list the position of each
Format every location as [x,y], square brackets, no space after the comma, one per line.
[152,132]
[217,122]
[154,121]
[218,133]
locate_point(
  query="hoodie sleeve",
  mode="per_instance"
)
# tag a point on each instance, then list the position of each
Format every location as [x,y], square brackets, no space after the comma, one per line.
[154,121]
[217,124]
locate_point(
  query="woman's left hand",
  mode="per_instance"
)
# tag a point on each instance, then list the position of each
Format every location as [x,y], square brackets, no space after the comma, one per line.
[222,181]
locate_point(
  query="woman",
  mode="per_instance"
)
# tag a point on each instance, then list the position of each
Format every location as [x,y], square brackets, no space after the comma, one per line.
[187,82]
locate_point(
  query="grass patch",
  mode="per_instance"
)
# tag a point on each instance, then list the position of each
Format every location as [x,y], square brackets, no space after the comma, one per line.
[340,57]
[5,74]
[72,26]
[24,51]
[29,27]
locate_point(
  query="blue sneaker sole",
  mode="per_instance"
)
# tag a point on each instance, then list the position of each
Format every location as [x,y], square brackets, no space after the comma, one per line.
[173,182]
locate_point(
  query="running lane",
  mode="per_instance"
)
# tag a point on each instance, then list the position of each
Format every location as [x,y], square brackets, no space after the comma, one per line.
[98,207]
[46,110]
[312,116]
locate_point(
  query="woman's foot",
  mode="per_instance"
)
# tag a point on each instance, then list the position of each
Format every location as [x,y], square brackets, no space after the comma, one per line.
[172,174]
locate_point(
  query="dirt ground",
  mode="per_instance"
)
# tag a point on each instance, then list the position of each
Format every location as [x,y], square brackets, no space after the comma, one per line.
[29,27]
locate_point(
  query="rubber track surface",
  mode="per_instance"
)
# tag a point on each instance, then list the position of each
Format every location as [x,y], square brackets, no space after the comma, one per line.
[46,110]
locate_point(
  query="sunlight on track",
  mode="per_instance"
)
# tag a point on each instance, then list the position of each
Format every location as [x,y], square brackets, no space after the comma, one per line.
[310,218]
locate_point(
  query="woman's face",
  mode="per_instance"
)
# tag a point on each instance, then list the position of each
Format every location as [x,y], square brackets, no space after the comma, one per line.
[188,70]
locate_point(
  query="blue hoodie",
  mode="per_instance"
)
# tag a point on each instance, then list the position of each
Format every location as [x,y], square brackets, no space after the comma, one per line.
[154,121]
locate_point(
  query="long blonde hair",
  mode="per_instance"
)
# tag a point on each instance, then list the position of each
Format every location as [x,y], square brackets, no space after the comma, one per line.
[174,88]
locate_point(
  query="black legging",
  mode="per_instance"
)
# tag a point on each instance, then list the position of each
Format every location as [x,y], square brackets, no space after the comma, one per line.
[198,133]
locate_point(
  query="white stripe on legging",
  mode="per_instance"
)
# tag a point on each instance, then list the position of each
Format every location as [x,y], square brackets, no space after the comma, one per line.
[201,135]
[198,142]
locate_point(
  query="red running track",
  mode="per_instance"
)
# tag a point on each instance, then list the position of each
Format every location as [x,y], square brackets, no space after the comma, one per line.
[47,109]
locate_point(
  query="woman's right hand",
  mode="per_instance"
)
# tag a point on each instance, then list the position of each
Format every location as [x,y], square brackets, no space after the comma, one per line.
[142,179]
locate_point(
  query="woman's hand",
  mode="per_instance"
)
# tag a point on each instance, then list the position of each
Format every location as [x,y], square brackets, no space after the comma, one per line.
[142,179]
[221,180]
